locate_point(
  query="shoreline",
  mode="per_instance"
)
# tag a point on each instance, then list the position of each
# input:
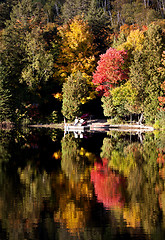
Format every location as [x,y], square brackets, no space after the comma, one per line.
[96,125]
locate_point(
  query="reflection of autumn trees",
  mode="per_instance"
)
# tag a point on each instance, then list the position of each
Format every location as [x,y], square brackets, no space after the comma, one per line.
[24,188]
[138,163]
[131,215]
[74,202]
[108,185]
[21,205]
[75,160]
[125,161]
[126,194]
[161,163]
[72,186]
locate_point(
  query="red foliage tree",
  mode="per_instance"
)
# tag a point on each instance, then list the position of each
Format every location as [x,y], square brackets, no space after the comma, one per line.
[108,186]
[110,70]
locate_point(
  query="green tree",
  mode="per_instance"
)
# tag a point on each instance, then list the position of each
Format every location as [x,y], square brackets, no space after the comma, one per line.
[124,99]
[73,8]
[39,62]
[138,78]
[25,54]
[5,111]
[5,10]
[153,45]
[144,74]
[108,107]
[100,24]
[74,90]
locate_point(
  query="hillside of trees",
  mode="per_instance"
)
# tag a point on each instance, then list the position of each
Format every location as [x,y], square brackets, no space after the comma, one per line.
[64,58]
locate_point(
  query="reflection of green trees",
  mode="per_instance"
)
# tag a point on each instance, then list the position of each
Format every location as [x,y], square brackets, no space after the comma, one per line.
[21,204]
[138,163]
[75,160]
[24,188]
[72,163]
[4,141]
[4,154]
[107,148]
[123,163]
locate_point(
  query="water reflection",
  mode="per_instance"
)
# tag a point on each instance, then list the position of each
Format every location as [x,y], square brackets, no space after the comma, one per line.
[104,186]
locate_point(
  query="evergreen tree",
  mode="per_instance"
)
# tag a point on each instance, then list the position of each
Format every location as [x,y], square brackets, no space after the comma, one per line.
[5,111]
[24,54]
[138,78]
[73,8]
[153,48]
[74,90]
[5,10]
[145,77]
[100,23]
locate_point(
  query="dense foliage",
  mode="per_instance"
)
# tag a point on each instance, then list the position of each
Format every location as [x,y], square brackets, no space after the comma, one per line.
[117,44]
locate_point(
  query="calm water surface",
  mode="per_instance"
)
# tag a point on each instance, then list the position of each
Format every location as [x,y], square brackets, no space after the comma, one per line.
[102,186]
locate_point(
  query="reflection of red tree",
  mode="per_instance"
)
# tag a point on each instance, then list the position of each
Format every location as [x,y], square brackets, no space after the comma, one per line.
[161,157]
[108,185]
[161,162]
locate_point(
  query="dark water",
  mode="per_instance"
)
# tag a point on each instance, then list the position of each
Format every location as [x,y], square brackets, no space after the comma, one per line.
[99,187]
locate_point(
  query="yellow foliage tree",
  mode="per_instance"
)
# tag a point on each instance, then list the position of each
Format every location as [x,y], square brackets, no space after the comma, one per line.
[134,41]
[76,50]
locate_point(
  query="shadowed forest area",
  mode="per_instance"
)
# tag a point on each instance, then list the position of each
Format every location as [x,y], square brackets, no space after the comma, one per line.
[66,58]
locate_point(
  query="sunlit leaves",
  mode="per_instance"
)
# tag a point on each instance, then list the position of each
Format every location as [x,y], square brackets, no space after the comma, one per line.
[125,96]
[77,50]
[134,41]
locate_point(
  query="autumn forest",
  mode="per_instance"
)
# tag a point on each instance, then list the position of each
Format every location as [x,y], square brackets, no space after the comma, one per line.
[62,58]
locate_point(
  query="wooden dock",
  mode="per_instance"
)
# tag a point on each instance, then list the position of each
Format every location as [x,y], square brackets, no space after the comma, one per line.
[77,128]
[121,127]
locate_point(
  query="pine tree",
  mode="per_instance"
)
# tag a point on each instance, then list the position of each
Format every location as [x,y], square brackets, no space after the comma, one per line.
[74,90]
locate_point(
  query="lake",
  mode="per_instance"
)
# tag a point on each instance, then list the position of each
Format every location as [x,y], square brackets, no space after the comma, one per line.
[94,186]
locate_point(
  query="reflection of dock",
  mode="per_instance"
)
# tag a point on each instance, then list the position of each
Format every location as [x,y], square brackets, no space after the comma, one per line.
[72,128]
[109,127]
[78,130]
[104,126]
[121,127]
